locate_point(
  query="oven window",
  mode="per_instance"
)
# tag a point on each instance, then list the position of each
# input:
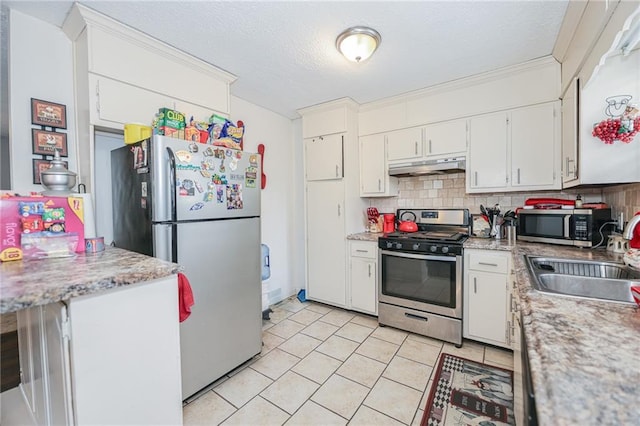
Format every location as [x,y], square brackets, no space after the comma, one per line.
[427,281]
[543,225]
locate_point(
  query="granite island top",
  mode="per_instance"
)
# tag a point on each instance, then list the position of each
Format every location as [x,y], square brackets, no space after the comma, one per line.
[584,355]
[28,283]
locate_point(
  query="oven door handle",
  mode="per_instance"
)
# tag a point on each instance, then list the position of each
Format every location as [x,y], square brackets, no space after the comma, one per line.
[418,256]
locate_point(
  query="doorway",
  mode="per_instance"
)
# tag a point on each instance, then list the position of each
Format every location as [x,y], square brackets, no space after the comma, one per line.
[104,143]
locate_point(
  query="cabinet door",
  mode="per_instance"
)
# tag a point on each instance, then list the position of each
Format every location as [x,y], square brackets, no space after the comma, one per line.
[487,151]
[323,157]
[449,137]
[372,165]
[487,307]
[326,245]
[533,146]
[570,133]
[364,285]
[405,144]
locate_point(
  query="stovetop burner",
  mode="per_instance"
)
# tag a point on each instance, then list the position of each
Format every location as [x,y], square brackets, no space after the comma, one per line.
[435,236]
[439,232]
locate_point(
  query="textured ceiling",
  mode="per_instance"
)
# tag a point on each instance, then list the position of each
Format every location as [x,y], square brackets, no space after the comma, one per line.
[283,52]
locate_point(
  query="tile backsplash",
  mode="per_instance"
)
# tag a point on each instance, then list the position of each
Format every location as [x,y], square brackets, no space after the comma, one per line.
[448,191]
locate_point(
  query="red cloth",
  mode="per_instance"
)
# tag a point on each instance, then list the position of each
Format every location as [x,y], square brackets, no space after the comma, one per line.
[185,297]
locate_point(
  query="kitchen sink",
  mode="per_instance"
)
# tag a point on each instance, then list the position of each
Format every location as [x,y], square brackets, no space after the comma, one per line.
[583,278]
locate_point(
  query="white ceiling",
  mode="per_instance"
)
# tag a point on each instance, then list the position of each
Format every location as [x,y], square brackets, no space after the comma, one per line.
[283,52]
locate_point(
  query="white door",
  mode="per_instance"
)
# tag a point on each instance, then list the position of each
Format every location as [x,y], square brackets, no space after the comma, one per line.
[323,157]
[405,144]
[326,245]
[449,137]
[487,151]
[487,308]
[570,133]
[533,152]
[372,165]
[363,285]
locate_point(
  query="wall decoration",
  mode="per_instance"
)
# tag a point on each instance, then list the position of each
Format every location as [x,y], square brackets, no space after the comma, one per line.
[45,113]
[39,166]
[46,143]
[623,122]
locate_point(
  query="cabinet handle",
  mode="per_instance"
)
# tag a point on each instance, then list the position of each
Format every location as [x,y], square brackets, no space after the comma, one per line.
[369,270]
[475,285]
[416,148]
[379,185]
[506,333]
[338,209]
[566,166]
[518,175]
[476,177]
[362,251]
[488,264]
[430,146]
[337,168]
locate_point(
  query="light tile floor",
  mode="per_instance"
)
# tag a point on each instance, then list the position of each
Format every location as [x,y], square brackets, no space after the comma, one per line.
[327,366]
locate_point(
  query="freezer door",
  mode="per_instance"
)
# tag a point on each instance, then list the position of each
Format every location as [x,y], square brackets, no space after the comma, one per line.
[222,261]
[203,181]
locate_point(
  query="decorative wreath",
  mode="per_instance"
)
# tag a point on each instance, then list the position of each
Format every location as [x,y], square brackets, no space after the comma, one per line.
[623,122]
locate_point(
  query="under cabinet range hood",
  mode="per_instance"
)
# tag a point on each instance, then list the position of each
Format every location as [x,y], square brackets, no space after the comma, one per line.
[428,167]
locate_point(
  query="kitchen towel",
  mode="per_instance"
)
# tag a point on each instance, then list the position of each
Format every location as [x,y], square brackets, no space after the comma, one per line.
[185,297]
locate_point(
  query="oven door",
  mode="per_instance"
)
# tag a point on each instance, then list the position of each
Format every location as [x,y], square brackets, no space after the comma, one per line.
[423,282]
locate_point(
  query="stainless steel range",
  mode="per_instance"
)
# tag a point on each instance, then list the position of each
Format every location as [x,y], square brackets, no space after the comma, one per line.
[420,285]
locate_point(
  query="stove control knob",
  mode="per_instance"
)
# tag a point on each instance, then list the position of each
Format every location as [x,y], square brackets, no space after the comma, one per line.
[445,249]
[416,246]
[433,249]
[389,244]
[399,246]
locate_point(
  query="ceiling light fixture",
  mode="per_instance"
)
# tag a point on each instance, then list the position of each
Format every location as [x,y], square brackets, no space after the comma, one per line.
[358,43]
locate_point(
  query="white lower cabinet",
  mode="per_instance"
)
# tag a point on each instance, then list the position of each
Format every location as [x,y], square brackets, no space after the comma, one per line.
[363,276]
[110,358]
[487,311]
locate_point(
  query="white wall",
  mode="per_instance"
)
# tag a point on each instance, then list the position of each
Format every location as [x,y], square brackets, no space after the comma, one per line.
[40,66]
[278,202]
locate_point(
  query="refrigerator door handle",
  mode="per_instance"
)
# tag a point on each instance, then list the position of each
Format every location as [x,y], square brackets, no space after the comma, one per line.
[165,243]
[172,183]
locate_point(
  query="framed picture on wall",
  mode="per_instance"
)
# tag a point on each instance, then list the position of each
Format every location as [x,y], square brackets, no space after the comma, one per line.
[45,113]
[45,142]
[40,165]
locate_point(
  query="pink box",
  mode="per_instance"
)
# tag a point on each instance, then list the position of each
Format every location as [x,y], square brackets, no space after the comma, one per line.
[51,226]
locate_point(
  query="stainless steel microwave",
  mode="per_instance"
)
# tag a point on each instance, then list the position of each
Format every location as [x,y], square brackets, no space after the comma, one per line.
[577,227]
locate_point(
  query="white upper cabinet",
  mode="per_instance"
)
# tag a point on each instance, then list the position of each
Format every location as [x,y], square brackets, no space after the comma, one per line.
[535,149]
[323,157]
[515,150]
[405,144]
[374,177]
[570,134]
[446,138]
[487,161]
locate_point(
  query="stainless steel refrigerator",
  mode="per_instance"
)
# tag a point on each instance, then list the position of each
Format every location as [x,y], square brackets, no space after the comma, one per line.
[198,205]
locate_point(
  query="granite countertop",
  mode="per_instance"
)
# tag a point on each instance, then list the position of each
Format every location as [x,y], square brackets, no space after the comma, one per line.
[28,283]
[583,354]
[365,236]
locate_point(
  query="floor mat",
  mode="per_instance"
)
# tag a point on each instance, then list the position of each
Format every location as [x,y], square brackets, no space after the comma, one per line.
[467,392]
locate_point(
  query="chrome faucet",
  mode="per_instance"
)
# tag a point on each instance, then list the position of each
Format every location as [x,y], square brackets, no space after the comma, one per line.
[627,234]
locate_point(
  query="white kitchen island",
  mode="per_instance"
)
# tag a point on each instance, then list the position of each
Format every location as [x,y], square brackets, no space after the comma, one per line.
[98,337]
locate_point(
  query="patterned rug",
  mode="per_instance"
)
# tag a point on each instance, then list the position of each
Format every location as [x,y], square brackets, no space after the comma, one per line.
[466,392]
